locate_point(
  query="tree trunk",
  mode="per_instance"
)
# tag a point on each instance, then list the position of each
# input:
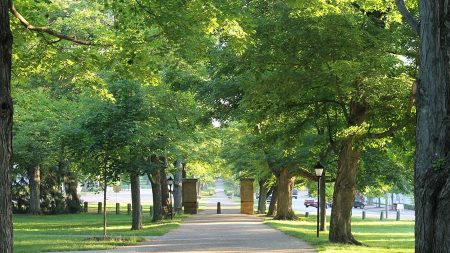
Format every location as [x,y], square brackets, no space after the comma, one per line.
[136,222]
[6,117]
[184,168]
[262,196]
[155,180]
[164,192]
[73,202]
[105,187]
[285,182]
[432,165]
[273,202]
[177,188]
[344,194]
[323,202]
[34,178]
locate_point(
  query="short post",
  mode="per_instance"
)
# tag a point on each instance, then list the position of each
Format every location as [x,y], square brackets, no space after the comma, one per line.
[128,209]
[363,215]
[151,211]
[398,215]
[117,208]
[99,209]
[306,214]
[86,207]
[219,210]
[381,215]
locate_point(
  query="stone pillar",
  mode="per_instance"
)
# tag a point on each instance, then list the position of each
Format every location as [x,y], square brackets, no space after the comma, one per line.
[247,195]
[190,201]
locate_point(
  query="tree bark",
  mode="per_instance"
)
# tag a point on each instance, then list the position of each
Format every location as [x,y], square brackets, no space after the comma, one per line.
[155,180]
[6,117]
[105,187]
[177,187]
[323,202]
[136,222]
[273,202]
[73,202]
[262,196]
[432,165]
[285,182]
[165,203]
[344,194]
[34,179]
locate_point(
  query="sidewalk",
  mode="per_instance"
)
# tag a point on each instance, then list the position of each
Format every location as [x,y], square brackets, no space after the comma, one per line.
[229,232]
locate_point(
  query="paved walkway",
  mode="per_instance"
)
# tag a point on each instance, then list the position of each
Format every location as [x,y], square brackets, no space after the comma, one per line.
[229,232]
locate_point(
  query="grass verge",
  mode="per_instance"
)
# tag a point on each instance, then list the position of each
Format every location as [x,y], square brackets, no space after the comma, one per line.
[78,231]
[379,236]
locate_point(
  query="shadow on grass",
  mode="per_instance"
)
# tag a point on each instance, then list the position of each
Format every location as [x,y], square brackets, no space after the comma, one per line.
[70,231]
[379,236]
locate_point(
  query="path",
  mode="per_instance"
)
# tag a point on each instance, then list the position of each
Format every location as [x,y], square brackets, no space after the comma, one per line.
[229,232]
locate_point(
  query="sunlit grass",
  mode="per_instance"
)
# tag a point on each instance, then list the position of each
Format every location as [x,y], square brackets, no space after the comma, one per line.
[72,231]
[378,236]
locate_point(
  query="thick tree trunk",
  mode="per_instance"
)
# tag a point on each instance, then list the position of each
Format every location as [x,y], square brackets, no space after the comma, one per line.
[273,202]
[323,202]
[6,117]
[344,194]
[34,179]
[285,182]
[432,164]
[177,188]
[262,196]
[164,192]
[136,222]
[155,180]
[73,202]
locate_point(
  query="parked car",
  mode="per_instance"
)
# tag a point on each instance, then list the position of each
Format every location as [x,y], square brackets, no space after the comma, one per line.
[313,202]
[359,204]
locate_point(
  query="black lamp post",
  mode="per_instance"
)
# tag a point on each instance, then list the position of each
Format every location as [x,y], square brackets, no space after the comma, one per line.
[319,169]
[170,183]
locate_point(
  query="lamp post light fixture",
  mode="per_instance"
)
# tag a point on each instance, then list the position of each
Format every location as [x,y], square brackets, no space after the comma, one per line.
[319,169]
[170,183]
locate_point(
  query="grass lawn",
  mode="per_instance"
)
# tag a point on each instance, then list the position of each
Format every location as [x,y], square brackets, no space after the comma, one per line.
[72,231]
[379,236]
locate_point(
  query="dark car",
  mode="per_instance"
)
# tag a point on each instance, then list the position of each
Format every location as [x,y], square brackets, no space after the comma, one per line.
[359,204]
[314,203]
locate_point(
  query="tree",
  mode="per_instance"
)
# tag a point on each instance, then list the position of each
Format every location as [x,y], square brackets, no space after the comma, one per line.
[6,118]
[431,172]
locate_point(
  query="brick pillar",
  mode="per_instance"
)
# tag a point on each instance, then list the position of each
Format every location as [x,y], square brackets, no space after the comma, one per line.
[247,195]
[190,202]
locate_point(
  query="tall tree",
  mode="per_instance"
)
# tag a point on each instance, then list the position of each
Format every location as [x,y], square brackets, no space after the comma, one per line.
[432,164]
[6,118]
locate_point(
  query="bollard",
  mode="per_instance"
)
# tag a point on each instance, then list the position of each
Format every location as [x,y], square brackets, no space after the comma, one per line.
[86,207]
[151,211]
[398,215]
[117,208]
[99,209]
[219,210]
[363,215]
[128,209]
[381,215]
[306,214]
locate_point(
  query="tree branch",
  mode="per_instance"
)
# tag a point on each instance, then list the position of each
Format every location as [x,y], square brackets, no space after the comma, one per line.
[407,16]
[46,30]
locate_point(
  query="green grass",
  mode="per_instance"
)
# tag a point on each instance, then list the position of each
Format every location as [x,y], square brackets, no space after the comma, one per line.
[379,236]
[76,231]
